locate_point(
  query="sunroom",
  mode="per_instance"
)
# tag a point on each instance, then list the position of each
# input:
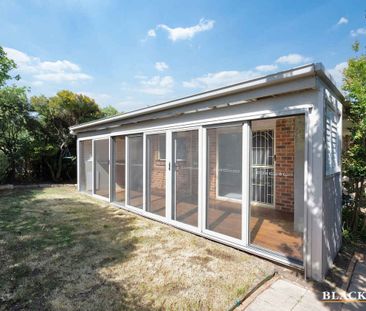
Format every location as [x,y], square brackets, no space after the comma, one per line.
[255,165]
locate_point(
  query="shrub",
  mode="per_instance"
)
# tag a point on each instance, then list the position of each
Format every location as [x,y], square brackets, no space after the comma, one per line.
[4,164]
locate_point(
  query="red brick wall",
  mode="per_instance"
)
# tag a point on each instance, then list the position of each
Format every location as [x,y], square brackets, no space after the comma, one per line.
[285,152]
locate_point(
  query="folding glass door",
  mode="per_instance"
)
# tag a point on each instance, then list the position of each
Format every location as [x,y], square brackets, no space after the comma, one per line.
[119,168]
[135,184]
[86,166]
[224,180]
[101,174]
[156,173]
[253,174]
[185,177]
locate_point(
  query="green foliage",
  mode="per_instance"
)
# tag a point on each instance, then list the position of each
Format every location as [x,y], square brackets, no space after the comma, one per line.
[6,65]
[35,141]
[109,111]
[55,115]
[4,165]
[15,116]
[354,158]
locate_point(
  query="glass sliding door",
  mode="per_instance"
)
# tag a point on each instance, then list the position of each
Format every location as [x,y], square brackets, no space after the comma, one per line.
[224,180]
[86,166]
[156,164]
[101,153]
[277,186]
[119,168]
[135,171]
[185,177]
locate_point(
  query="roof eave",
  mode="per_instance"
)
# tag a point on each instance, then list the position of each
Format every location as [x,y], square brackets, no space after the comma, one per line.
[279,77]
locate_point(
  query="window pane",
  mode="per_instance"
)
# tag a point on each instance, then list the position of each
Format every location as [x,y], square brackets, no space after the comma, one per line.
[86,166]
[185,165]
[102,167]
[277,185]
[155,174]
[135,171]
[119,169]
[224,180]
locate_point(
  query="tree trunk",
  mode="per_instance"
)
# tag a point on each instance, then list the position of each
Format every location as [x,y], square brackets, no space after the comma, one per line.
[59,161]
[358,201]
[51,170]
[364,224]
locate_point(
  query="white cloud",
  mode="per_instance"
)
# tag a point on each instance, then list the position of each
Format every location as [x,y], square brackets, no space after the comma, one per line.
[337,73]
[293,59]
[266,68]
[59,66]
[50,71]
[17,56]
[157,85]
[221,78]
[184,33]
[161,66]
[359,31]
[151,33]
[342,21]
[62,76]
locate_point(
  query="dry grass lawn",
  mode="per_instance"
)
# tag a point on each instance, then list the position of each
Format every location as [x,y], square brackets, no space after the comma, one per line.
[61,250]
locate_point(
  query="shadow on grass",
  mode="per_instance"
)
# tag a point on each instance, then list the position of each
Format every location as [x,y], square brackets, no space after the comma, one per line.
[52,250]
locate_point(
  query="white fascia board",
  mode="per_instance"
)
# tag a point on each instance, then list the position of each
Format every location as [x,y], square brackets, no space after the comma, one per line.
[279,77]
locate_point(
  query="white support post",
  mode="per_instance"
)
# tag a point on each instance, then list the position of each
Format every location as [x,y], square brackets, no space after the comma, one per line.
[144,188]
[201,178]
[78,163]
[93,167]
[127,162]
[169,174]
[246,148]
[111,169]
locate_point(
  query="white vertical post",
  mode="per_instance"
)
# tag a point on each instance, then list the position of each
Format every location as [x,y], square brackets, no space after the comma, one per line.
[168,175]
[111,169]
[78,164]
[202,182]
[144,188]
[126,171]
[246,148]
[307,223]
[93,166]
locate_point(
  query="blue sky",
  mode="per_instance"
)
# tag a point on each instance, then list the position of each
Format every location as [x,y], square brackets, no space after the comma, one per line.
[132,54]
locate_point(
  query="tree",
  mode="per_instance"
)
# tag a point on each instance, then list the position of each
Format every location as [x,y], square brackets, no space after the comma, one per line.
[6,65]
[354,159]
[55,115]
[15,115]
[109,111]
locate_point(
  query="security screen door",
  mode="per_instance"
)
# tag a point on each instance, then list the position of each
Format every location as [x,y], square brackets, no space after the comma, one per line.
[86,166]
[224,180]
[135,171]
[156,171]
[101,154]
[185,177]
[263,166]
